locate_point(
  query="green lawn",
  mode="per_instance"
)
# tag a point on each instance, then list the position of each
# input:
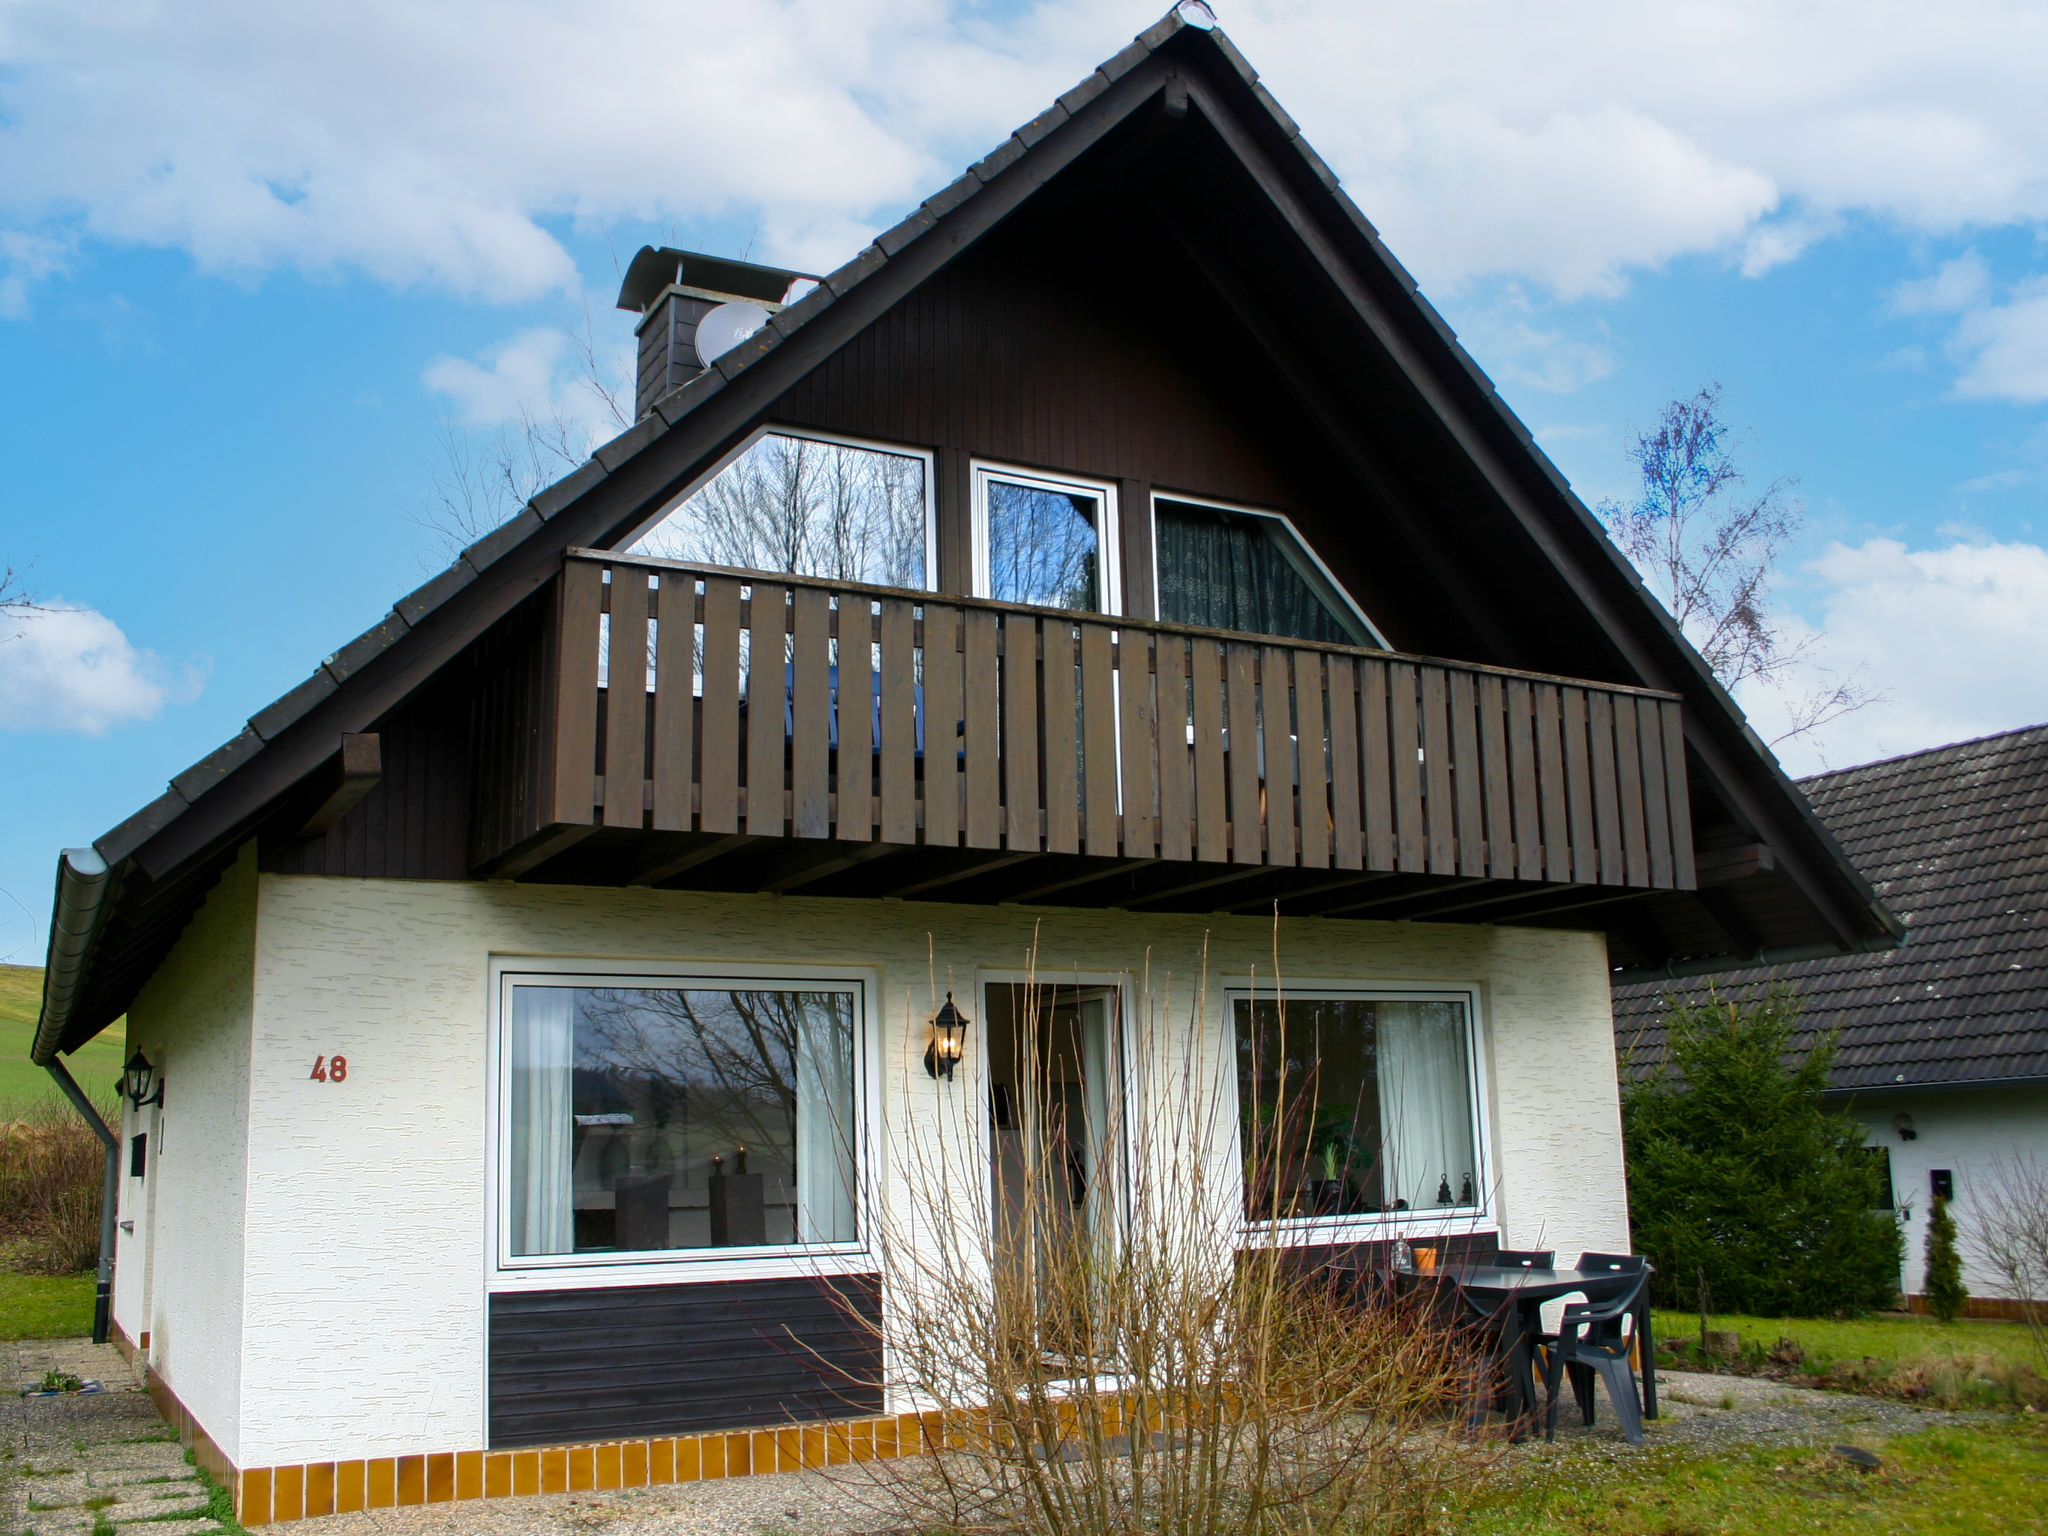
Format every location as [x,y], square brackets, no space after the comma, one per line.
[1900,1340]
[36,1307]
[21,1083]
[1958,1482]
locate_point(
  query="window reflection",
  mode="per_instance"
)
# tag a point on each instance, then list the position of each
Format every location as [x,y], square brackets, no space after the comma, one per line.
[650,1118]
[1044,545]
[807,507]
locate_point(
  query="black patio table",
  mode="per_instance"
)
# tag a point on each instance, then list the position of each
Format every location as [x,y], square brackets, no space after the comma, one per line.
[1516,1296]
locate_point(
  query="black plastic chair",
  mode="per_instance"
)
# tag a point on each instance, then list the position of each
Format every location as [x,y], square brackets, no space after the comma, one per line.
[1594,1339]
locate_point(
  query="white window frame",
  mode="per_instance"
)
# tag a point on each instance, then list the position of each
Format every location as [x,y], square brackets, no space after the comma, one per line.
[1108,546]
[506,1272]
[812,434]
[1436,1221]
[1299,553]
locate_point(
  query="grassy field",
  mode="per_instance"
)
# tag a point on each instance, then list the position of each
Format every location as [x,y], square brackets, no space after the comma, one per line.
[35,1307]
[1959,1482]
[21,1083]
[1898,1340]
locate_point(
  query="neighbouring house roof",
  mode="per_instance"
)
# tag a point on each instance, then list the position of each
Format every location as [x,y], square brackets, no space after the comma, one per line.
[122,903]
[1956,842]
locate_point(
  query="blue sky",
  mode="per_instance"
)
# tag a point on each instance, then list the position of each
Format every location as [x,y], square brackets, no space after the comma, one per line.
[251,262]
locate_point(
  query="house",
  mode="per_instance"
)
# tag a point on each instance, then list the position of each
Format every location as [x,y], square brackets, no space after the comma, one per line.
[1117,556]
[1942,1043]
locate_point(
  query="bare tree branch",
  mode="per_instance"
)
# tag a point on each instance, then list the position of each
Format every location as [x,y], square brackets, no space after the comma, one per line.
[1709,551]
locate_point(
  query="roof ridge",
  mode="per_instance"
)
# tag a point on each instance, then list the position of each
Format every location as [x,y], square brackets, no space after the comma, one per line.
[1907,757]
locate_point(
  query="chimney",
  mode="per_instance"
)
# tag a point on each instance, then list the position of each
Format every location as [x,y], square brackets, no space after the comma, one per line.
[692,309]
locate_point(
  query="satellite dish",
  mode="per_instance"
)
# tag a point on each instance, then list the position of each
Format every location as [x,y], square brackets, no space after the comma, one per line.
[726,327]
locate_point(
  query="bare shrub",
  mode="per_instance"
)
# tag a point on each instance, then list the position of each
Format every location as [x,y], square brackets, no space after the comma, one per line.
[1102,1345]
[2009,1236]
[51,1173]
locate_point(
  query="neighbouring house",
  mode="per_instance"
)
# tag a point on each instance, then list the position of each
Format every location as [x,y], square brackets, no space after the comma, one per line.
[1941,1045]
[1118,555]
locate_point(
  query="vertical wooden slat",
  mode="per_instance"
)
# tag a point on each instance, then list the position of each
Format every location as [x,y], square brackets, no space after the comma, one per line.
[942,721]
[1578,773]
[1436,767]
[1062,750]
[1499,797]
[1309,751]
[575,768]
[810,759]
[1468,777]
[1678,793]
[1375,773]
[897,750]
[1098,739]
[1347,842]
[1137,741]
[720,811]
[1020,730]
[767,709]
[1277,722]
[1557,861]
[1404,745]
[984,787]
[1656,808]
[1176,769]
[1247,841]
[859,630]
[1628,773]
[1212,814]
[625,724]
[675,665]
[1606,793]
[1522,781]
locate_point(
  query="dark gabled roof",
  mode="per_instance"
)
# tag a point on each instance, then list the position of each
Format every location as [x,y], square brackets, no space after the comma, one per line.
[1956,842]
[161,861]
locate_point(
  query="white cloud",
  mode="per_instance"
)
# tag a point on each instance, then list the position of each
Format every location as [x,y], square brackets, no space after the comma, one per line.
[1954,287]
[71,669]
[1563,145]
[1518,351]
[540,376]
[1952,636]
[2004,347]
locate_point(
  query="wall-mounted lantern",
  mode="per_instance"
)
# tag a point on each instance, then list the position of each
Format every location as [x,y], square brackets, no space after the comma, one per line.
[138,1079]
[949,1039]
[1903,1124]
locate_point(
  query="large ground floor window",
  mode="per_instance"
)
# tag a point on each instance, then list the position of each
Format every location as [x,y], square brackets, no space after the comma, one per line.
[642,1115]
[1357,1106]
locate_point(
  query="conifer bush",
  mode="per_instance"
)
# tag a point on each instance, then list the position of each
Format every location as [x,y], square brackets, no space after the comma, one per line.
[1742,1178]
[1945,1293]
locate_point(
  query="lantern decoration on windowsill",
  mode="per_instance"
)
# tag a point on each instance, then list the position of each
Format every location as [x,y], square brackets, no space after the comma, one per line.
[949,1039]
[138,1079]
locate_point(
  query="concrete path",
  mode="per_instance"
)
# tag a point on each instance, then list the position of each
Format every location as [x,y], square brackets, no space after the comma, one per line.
[97,1462]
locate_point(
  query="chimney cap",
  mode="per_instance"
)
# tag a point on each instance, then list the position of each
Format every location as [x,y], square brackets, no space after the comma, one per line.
[654,271]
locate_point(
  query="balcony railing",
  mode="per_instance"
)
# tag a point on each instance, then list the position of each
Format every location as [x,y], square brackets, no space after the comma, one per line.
[787,707]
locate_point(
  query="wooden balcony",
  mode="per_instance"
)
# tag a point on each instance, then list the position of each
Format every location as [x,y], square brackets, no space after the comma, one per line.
[907,720]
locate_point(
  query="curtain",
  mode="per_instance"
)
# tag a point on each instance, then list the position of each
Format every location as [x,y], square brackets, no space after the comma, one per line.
[825,1124]
[1425,1103]
[543,1049]
[1225,572]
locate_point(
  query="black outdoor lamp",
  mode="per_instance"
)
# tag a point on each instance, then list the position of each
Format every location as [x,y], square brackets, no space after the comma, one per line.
[949,1038]
[137,1079]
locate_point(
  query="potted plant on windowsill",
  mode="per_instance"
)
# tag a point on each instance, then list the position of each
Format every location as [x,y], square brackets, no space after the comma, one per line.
[1331,1140]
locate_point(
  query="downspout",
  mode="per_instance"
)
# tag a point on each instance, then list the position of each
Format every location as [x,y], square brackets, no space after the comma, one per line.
[82,883]
[110,1195]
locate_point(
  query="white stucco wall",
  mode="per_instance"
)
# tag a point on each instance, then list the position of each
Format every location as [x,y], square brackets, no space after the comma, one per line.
[1967,1133]
[193,1021]
[366,1243]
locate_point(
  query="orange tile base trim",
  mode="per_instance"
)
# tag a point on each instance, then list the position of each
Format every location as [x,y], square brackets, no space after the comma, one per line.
[190,1433]
[268,1495]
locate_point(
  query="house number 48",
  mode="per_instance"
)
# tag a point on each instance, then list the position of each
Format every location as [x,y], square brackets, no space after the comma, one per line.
[330,1069]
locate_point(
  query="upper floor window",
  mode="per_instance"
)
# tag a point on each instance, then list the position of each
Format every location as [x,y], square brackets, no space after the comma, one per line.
[1049,541]
[1228,568]
[811,506]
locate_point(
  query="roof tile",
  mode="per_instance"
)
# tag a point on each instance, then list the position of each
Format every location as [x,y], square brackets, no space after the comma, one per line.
[1042,125]
[1156,35]
[679,403]
[866,264]
[900,234]
[1090,88]
[998,160]
[424,599]
[217,765]
[1124,60]
[365,648]
[570,488]
[629,442]
[271,720]
[498,543]
[118,842]
[952,195]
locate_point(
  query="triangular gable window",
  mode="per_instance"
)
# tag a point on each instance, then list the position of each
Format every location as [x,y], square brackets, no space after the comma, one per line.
[1222,568]
[807,505]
